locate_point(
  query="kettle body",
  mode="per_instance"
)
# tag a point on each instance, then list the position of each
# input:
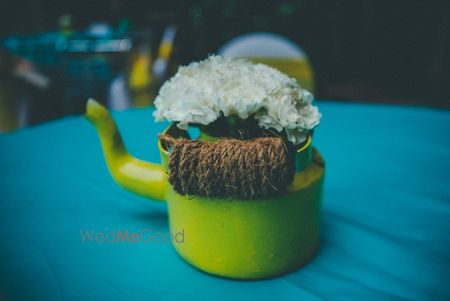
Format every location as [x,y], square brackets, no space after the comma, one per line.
[227,237]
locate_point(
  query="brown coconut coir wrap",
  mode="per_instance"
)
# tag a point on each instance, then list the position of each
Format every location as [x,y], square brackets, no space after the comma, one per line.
[256,168]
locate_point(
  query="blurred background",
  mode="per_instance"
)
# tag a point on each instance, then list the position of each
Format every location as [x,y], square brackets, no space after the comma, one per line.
[55,54]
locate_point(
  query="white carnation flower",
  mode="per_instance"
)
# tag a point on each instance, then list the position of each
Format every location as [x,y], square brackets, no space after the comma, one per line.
[203,91]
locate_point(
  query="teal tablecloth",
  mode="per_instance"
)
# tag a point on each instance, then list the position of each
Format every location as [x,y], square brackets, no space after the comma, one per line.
[386,216]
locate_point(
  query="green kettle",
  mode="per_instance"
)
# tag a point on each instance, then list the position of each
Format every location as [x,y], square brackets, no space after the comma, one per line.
[228,237]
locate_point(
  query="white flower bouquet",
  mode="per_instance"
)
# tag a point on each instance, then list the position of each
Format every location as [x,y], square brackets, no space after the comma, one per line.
[229,97]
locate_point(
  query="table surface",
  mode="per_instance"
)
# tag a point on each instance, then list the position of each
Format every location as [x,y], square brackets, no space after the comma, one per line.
[385,230]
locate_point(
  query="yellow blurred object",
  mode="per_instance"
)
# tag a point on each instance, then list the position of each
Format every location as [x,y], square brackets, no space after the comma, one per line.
[141,80]
[300,69]
[9,109]
[165,50]
[160,67]
[9,115]
[274,50]
[140,77]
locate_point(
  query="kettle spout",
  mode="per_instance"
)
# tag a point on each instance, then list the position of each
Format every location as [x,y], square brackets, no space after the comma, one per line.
[144,178]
